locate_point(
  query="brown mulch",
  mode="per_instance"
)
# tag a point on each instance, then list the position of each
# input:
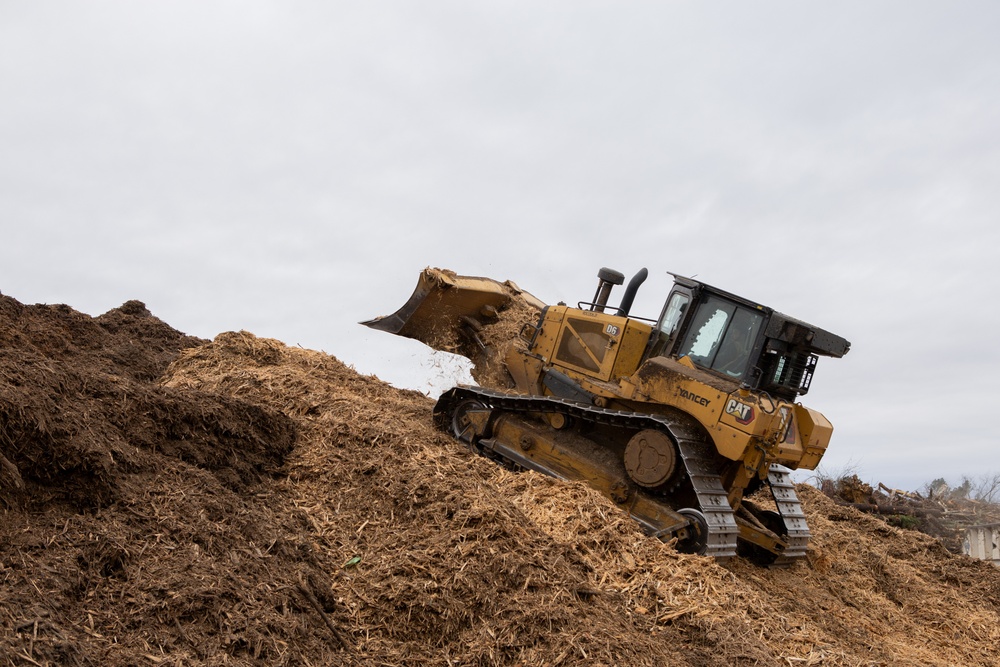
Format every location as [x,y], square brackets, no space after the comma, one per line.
[168,500]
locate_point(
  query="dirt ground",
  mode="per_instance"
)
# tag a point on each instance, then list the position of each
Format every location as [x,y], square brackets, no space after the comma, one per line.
[168,500]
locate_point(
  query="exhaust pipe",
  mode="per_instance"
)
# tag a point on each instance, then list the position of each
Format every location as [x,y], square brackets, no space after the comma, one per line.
[630,291]
[608,278]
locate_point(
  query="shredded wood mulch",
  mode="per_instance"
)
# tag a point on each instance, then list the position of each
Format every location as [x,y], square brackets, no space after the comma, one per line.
[173,501]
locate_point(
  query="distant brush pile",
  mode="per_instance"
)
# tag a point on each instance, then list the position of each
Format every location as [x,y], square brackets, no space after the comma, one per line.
[945,515]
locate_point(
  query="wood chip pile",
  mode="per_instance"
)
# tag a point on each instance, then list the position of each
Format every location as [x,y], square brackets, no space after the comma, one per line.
[259,504]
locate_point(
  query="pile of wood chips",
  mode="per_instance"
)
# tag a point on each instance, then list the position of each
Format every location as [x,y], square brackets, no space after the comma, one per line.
[376,540]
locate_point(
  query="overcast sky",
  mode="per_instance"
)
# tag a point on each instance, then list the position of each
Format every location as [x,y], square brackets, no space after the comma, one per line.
[288,168]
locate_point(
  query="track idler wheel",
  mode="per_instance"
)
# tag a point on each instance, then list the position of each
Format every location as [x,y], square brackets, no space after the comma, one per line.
[697,540]
[651,458]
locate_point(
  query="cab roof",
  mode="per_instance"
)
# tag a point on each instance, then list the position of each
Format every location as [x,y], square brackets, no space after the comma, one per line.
[792,332]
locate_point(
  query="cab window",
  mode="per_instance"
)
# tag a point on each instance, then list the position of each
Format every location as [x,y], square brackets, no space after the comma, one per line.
[670,320]
[672,313]
[721,336]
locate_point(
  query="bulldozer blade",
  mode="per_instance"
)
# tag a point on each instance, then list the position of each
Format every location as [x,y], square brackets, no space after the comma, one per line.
[444,302]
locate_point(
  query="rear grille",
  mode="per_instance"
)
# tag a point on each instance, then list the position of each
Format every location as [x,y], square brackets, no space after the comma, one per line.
[788,373]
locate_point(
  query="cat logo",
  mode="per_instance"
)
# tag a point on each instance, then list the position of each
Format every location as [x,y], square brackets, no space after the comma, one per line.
[741,411]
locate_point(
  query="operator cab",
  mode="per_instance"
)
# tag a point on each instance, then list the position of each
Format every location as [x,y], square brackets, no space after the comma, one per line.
[741,341]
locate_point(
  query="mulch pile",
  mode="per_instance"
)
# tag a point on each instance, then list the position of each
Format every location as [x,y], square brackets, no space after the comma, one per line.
[171,501]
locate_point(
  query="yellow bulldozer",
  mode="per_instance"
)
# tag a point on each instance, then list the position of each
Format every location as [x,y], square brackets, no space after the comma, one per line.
[676,420]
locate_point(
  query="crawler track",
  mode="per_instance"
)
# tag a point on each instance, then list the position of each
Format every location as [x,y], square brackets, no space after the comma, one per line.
[791,513]
[696,452]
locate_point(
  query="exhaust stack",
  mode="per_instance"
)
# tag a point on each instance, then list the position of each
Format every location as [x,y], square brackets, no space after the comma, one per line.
[630,291]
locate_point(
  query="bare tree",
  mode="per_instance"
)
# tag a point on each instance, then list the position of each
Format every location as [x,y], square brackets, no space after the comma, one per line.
[987,488]
[984,488]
